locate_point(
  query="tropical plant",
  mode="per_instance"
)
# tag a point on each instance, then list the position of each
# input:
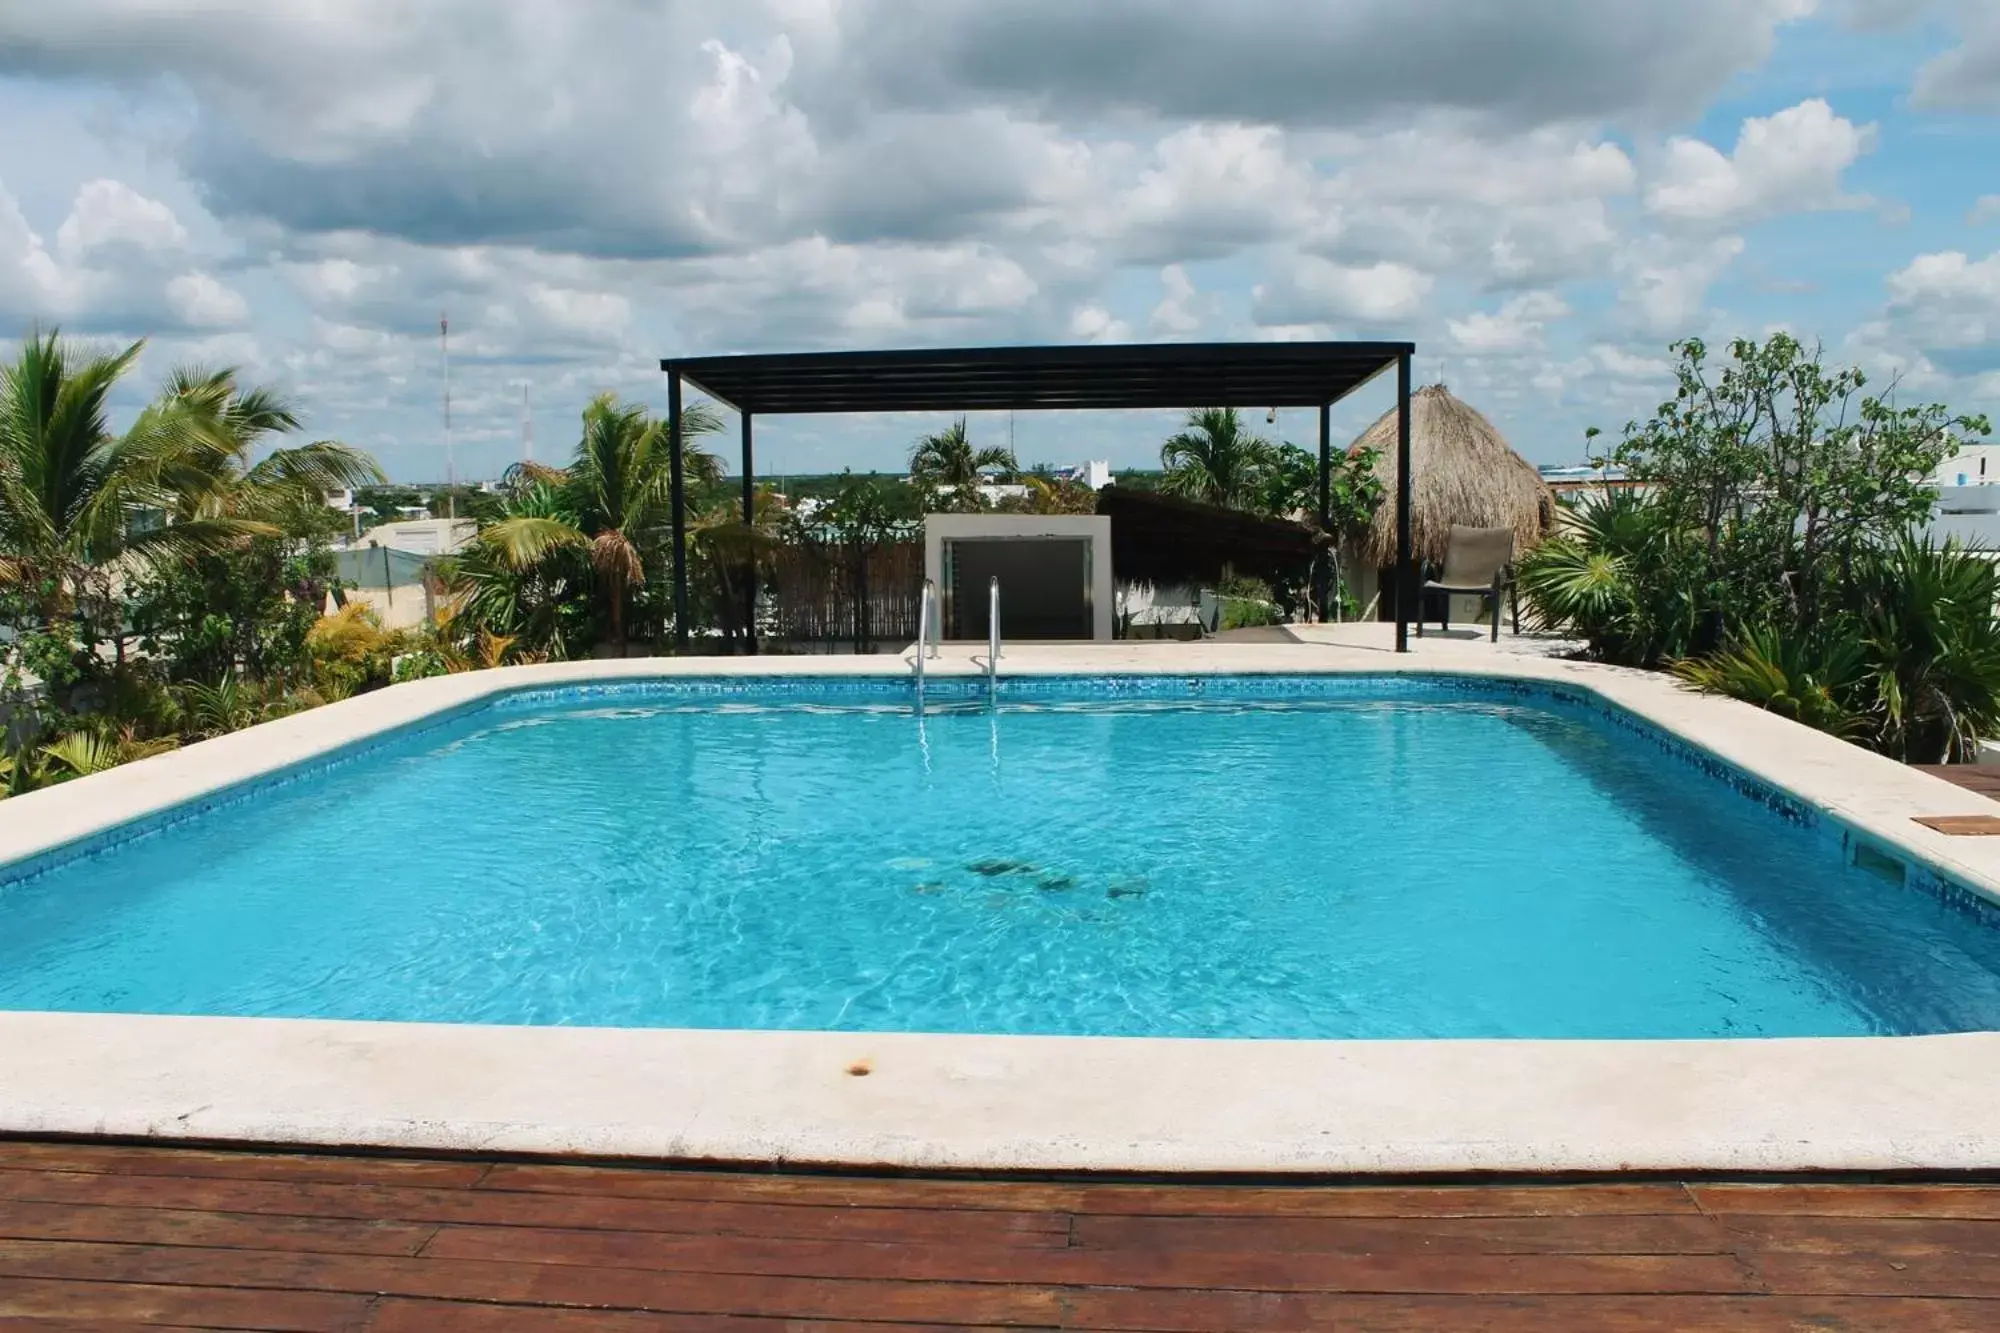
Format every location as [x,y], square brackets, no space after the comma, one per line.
[235,421]
[1910,667]
[74,496]
[1812,683]
[1924,616]
[84,752]
[349,650]
[1619,574]
[1217,460]
[503,584]
[614,504]
[947,459]
[230,704]
[1051,495]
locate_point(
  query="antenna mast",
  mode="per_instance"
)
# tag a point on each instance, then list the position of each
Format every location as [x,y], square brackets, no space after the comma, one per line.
[450,462]
[527,427]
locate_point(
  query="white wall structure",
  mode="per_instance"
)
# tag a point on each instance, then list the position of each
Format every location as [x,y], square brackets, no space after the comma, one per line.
[424,536]
[1972,465]
[1054,572]
[1095,474]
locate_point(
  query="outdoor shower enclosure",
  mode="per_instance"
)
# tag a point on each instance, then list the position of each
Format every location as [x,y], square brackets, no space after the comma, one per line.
[1054,572]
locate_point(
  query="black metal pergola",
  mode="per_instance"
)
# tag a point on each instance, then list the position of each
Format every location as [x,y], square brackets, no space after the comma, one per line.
[1040,379]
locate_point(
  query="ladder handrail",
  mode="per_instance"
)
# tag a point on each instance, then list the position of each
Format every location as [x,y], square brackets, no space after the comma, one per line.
[993,640]
[924,602]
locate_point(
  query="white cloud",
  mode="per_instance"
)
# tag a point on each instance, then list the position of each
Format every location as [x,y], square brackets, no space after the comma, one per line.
[203,302]
[1967,77]
[31,285]
[1948,299]
[109,215]
[1518,325]
[1624,365]
[1176,313]
[1665,288]
[598,315]
[1788,162]
[1318,291]
[585,189]
[1094,324]
[1985,209]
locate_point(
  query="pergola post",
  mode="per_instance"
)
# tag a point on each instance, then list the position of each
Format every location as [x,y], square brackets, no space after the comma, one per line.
[1405,573]
[678,484]
[750,539]
[1323,562]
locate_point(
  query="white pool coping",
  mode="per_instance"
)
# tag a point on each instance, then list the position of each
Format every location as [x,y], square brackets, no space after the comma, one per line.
[956,1102]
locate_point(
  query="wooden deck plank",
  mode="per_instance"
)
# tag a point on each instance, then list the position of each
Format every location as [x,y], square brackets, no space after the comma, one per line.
[392,1203]
[110,1303]
[1623,1233]
[1205,1312]
[1893,1236]
[1164,1200]
[535,1284]
[1969,1202]
[336,1168]
[124,1235]
[1249,1268]
[176,1226]
[1972,777]
[399,1315]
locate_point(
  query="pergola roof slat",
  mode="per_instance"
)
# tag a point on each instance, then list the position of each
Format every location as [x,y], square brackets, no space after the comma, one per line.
[1077,378]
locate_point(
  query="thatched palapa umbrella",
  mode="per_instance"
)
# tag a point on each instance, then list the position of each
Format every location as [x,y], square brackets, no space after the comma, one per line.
[1463,471]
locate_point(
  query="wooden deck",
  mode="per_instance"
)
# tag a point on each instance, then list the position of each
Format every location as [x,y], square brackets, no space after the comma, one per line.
[105,1237]
[1972,777]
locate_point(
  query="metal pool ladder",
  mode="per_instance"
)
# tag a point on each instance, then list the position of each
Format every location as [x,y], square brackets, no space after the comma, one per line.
[993,641]
[926,622]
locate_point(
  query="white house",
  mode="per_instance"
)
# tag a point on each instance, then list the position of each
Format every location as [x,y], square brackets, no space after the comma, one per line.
[422,536]
[1970,465]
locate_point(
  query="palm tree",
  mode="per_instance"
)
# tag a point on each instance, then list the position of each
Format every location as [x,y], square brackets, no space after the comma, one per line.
[1216,460]
[616,499]
[526,576]
[947,458]
[71,492]
[236,421]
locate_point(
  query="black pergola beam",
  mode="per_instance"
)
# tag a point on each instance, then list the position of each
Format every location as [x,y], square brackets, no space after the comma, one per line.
[1095,377]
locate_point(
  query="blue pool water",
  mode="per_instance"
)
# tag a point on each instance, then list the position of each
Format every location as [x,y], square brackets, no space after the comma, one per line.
[1384,861]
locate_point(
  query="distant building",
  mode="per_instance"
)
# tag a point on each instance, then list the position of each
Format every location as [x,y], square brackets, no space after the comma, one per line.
[1969,465]
[1573,481]
[1095,474]
[422,536]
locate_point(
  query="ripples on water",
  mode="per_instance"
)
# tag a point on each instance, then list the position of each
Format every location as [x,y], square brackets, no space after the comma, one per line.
[1324,869]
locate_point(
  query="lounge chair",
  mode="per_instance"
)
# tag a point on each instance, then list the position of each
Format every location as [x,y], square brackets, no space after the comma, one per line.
[1209,613]
[1478,562]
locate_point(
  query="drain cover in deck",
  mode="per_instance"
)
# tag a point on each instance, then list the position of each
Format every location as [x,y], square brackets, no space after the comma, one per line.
[1974,826]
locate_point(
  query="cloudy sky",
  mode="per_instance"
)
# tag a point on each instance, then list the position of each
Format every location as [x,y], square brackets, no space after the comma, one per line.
[1541,194]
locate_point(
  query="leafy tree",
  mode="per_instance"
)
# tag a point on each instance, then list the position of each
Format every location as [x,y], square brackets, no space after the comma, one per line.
[1218,460]
[1290,487]
[1781,473]
[947,458]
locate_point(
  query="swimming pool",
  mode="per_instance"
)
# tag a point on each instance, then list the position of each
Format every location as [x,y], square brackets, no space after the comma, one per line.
[1314,857]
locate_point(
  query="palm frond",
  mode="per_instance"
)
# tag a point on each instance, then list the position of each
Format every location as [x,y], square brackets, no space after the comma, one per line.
[523,541]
